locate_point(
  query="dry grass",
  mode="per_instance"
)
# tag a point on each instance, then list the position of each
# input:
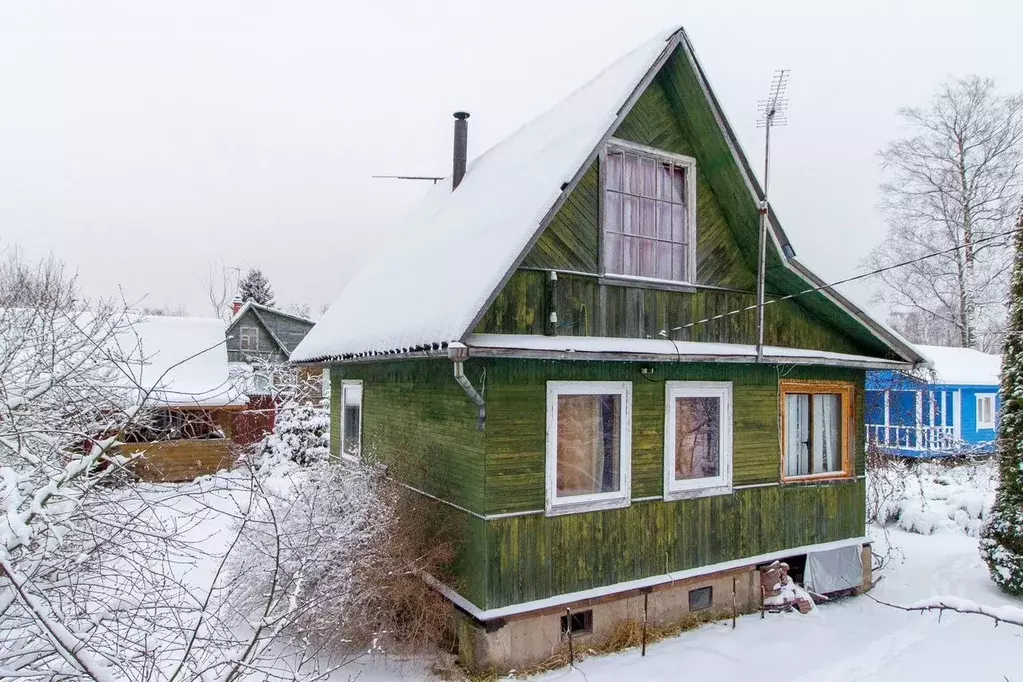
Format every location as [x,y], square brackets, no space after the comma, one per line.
[626,635]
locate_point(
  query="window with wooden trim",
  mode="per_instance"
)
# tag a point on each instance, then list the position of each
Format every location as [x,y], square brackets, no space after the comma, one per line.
[351,420]
[817,429]
[985,410]
[697,438]
[589,445]
[648,213]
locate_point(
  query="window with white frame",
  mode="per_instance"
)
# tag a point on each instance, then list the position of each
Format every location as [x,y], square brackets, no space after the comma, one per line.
[248,338]
[351,419]
[985,410]
[589,445]
[649,213]
[697,438]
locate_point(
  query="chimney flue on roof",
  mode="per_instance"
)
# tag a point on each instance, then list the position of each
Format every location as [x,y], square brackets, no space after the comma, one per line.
[461,143]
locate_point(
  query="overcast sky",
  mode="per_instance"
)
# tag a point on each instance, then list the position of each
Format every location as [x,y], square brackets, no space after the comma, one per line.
[140,141]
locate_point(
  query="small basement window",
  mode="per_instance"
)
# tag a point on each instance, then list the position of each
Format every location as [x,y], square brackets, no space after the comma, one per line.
[701,598]
[579,623]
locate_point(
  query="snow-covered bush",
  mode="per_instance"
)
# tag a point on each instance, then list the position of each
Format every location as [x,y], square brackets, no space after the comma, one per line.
[301,434]
[349,550]
[924,497]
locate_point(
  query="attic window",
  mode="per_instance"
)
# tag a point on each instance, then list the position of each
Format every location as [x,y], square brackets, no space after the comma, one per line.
[248,338]
[649,213]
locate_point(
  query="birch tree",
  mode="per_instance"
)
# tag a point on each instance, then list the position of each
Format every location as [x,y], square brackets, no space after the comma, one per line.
[952,185]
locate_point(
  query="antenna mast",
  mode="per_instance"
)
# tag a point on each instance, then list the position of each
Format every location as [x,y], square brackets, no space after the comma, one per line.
[772,113]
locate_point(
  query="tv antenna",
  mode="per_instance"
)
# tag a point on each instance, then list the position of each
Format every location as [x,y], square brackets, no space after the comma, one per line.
[772,113]
[434,178]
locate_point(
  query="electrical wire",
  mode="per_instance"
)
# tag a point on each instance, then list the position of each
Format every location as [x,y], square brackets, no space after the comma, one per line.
[854,278]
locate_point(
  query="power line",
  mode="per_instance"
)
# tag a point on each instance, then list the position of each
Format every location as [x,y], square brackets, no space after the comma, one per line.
[854,278]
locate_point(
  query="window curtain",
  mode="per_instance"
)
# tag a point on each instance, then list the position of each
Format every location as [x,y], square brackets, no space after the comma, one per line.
[797,434]
[588,447]
[827,455]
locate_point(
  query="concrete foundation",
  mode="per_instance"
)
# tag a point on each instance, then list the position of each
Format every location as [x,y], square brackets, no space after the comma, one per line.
[526,640]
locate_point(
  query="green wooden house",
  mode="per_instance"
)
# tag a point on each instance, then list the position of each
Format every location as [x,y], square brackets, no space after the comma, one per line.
[559,349]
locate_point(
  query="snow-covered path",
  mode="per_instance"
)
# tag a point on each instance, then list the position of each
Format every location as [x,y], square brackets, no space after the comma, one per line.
[856,639]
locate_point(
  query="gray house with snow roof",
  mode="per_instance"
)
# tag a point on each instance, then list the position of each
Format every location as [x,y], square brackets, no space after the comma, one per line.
[560,350]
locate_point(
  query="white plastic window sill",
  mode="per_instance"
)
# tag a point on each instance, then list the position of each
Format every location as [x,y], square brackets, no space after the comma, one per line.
[565,505]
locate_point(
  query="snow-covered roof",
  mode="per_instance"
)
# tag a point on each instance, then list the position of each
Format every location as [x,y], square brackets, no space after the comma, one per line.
[592,347]
[454,250]
[182,360]
[963,365]
[432,281]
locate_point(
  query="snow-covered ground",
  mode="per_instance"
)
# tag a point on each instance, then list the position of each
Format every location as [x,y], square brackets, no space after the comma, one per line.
[853,639]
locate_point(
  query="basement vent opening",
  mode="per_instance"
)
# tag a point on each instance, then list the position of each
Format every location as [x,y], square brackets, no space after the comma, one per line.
[580,623]
[701,598]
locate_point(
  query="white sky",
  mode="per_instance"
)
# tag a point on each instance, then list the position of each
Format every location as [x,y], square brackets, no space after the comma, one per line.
[140,141]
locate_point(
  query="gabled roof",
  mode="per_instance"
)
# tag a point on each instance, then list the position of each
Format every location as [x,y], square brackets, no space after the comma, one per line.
[963,366]
[434,281]
[181,360]
[260,311]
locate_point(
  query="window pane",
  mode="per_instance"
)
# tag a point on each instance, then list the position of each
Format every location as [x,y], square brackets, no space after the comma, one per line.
[797,434]
[679,263]
[663,220]
[679,227]
[632,181]
[351,429]
[664,182]
[649,172]
[827,432]
[678,188]
[662,260]
[613,211]
[613,252]
[697,437]
[630,215]
[648,218]
[613,170]
[589,444]
[645,265]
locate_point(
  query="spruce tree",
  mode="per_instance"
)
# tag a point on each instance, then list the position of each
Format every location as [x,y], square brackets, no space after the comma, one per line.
[255,287]
[1001,543]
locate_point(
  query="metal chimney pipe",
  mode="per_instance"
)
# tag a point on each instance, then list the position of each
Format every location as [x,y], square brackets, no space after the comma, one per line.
[461,143]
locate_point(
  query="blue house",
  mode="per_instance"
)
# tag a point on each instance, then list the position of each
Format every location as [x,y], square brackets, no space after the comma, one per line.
[949,409]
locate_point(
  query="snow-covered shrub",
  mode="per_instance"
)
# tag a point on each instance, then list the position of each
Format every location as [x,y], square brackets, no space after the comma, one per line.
[349,549]
[924,497]
[301,434]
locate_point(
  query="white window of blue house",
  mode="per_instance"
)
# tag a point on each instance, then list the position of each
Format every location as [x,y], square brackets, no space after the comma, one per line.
[697,438]
[351,420]
[985,410]
[589,445]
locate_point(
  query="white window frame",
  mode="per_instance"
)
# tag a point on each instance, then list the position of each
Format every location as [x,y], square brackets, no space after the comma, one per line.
[346,385]
[252,333]
[584,503]
[981,397]
[688,163]
[711,485]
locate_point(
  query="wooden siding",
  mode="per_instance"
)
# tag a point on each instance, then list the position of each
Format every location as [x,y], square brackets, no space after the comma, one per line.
[536,557]
[633,312]
[418,421]
[673,115]
[180,460]
[516,421]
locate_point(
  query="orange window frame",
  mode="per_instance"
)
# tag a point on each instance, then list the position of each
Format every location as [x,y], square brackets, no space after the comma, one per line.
[847,391]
